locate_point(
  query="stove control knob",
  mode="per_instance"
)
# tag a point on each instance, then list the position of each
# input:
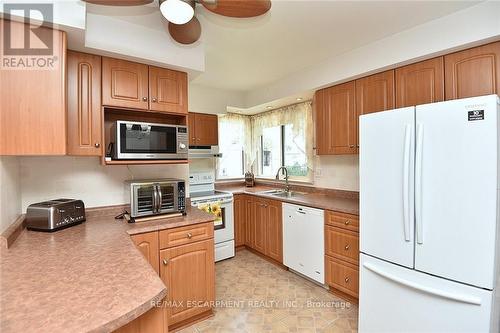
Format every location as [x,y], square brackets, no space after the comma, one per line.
[182,146]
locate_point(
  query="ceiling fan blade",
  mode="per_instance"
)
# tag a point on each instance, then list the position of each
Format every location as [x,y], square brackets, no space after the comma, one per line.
[185,33]
[238,8]
[119,2]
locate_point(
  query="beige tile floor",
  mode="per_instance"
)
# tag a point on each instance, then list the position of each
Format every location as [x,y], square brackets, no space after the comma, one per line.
[256,296]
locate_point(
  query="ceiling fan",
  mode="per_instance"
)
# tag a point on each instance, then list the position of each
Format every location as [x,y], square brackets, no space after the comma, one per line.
[183,26]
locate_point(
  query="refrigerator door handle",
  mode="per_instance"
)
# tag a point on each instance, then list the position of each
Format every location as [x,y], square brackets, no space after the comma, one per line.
[418,183]
[406,182]
[426,289]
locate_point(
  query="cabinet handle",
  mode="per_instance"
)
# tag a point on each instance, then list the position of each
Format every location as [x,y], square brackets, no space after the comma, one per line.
[346,280]
[97,144]
[165,262]
[357,146]
[346,247]
[154,99]
[189,235]
[352,146]
[347,222]
[145,99]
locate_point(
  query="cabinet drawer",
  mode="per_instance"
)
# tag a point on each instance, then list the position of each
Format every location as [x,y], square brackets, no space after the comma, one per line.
[186,235]
[342,244]
[342,220]
[342,276]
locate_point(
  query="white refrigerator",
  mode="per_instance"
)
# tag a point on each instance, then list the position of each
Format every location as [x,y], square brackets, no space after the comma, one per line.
[429,218]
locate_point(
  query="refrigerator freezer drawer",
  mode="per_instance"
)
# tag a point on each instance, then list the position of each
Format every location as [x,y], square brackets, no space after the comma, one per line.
[395,299]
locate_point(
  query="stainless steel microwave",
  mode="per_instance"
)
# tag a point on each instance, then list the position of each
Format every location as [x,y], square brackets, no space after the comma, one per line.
[154,197]
[132,140]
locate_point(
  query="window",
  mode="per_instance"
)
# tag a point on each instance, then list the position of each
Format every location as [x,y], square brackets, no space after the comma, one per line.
[281,147]
[233,136]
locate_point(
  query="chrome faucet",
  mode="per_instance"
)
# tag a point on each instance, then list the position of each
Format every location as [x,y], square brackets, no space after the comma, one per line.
[287,187]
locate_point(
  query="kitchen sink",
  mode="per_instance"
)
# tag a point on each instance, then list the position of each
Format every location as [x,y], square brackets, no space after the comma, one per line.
[281,193]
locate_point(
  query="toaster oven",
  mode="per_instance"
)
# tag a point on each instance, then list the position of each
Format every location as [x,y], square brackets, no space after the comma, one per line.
[154,197]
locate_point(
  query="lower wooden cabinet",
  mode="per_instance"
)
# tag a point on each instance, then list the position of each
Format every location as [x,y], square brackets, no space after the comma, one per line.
[185,260]
[263,228]
[152,321]
[342,252]
[240,212]
[188,271]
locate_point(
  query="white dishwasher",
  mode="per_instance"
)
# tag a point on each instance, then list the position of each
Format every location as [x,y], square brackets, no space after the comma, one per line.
[304,241]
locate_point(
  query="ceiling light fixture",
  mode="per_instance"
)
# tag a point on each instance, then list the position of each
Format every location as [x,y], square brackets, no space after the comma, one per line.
[177,11]
[299,98]
[269,107]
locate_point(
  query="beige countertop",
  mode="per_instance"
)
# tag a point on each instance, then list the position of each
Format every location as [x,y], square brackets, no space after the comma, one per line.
[316,199]
[88,277]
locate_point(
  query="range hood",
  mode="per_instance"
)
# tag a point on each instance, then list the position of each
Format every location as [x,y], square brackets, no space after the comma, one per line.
[203,152]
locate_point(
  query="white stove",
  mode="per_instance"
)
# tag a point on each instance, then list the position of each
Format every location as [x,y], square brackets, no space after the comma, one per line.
[203,195]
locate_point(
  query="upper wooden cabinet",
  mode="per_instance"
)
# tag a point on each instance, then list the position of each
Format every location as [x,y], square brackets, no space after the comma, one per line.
[336,120]
[375,93]
[33,101]
[473,72]
[84,104]
[167,90]
[124,84]
[420,83]
[203,129]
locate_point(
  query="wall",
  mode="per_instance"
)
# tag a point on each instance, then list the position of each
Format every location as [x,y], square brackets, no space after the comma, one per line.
[44,178]
[10,191]
[471,26]
[337,171]
[211,100]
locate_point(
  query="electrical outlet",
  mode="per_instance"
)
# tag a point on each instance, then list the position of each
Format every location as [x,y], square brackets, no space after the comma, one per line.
[318,172]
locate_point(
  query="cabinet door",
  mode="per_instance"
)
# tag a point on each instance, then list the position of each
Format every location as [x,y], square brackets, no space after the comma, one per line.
[206,129]
[84,104]
[147,243]
[260,226]
[420,83]
[319,122]
[274,231]
[192,128]
[124,84]
[473,72]
[33,102]
[339,120]
[239,220]
[167,90]
[375,93]
[188,271]
[150,322]
[250,206]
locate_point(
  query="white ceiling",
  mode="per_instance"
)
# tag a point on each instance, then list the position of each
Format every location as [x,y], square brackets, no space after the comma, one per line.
[245,54]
